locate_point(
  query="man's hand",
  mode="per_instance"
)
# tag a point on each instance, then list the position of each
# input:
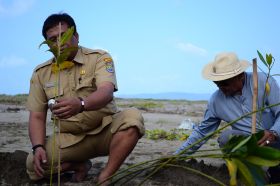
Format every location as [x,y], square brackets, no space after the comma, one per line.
[66,107]
[40,159]
[267,138]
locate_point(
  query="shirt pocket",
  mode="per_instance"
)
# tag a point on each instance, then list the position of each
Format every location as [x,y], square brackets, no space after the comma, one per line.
[52,92]
[86,87]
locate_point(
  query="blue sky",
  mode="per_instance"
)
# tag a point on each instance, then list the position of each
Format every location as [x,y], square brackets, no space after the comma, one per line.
[157,45]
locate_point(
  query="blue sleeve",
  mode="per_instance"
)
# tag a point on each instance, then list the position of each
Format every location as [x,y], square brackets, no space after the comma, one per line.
[209,124]
[274,98]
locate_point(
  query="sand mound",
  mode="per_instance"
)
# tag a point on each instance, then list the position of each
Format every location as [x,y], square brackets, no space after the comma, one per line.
[12,172]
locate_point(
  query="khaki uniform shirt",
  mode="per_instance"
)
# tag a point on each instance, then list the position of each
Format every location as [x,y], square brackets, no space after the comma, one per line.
[91,68]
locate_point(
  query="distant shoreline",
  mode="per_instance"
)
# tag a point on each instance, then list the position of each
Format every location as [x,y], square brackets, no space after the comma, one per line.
[177,96]
[169,96]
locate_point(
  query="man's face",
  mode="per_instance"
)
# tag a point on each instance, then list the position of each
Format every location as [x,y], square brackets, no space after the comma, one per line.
[232,86]
[53,35]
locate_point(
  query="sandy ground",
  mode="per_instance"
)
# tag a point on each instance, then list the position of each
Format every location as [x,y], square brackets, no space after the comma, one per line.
[14,143]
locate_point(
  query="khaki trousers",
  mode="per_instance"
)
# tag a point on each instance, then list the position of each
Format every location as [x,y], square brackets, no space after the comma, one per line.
[90,145]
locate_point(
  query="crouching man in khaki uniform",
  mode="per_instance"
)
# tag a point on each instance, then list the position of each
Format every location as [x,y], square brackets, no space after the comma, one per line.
[90,123]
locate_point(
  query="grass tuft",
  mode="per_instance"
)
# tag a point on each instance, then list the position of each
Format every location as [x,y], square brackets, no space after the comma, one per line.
[13,99]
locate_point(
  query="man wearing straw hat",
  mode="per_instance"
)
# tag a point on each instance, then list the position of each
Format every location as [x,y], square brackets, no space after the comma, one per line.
[234,99]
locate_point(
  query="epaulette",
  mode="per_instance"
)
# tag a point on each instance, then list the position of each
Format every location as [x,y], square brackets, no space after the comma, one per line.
[92,51]
[49,62]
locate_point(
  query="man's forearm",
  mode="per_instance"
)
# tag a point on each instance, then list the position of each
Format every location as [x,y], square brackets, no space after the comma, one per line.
[37,128]
[99,98]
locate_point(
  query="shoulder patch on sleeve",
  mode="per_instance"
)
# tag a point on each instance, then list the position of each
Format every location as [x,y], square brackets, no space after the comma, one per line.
[109,66]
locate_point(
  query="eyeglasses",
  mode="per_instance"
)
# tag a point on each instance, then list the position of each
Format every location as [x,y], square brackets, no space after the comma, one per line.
[224,83]
[227,82]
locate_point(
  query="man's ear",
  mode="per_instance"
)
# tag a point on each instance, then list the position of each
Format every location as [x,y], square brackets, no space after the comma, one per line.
[77,36]
[242,76]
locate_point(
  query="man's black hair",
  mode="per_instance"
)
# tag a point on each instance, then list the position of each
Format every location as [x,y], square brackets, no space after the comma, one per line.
[54,20]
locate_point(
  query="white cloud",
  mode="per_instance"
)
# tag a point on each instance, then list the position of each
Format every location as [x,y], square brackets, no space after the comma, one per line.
[190,48]
[15,7]
[12,61]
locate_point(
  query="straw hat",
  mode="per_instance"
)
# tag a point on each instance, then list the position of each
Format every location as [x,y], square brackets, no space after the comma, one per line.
[226,65]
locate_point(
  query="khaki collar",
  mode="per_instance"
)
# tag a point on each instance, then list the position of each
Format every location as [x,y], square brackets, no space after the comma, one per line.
[79,56]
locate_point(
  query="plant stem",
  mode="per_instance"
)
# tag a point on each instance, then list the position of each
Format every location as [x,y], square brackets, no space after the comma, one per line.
[198,172]
[255,95]
[59,158]
[137,171]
